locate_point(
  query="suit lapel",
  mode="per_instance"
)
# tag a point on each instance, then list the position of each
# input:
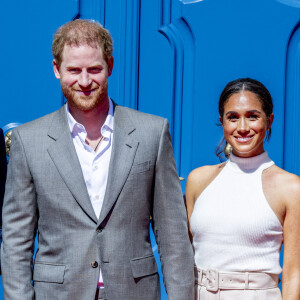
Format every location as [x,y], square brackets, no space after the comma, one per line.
[64,156]
[122,157]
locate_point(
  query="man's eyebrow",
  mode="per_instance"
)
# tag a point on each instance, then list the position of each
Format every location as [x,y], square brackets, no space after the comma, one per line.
[95,66]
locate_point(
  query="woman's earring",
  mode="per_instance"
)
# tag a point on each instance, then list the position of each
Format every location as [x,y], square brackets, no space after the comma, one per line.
[227,150]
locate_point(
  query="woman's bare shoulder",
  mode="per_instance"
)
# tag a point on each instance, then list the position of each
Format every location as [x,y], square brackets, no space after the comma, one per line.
[285,183]
[278,175]
[205,171]
[201,177]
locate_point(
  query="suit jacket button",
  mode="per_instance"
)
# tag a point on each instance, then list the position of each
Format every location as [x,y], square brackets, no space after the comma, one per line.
[94,264]
[99,230]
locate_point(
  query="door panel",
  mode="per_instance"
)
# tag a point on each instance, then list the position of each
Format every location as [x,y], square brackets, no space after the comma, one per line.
[240,39]
[29,89]
[292,105]
[172,58]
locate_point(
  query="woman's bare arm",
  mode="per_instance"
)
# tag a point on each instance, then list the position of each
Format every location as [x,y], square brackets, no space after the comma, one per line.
[291,237]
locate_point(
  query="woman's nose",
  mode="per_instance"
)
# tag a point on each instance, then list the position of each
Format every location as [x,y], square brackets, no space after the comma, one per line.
[243,125]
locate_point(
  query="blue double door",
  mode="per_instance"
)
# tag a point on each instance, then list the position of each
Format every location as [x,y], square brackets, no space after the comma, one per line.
[172,58]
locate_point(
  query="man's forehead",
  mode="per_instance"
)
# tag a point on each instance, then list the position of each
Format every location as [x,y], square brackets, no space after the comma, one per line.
[80,45]
[74,50]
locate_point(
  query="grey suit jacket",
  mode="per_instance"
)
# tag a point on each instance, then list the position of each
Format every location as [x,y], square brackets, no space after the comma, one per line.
[45,191]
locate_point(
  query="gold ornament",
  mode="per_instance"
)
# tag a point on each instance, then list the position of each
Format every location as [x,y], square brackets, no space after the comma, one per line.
[7,141]
[227,150]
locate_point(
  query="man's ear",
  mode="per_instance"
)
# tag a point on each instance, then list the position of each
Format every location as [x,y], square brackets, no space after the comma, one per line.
[56,69]
[110,65]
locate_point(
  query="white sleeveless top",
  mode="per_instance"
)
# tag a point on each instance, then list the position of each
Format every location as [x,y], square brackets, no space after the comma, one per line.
[234,228]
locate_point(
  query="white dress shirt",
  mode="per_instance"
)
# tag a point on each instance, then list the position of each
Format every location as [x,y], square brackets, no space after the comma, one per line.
[94,164]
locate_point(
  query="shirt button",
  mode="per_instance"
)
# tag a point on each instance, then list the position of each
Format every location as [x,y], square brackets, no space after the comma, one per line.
[95,168]
[94,264]
[97,197]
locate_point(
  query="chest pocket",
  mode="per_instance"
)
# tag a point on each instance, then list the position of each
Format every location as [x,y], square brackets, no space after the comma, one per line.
[140,168]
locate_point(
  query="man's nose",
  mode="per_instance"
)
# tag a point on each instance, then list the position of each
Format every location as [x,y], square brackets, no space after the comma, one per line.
[243,125]
[84,79]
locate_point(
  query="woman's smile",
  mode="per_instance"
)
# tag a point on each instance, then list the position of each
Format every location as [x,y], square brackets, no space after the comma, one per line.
[244,139]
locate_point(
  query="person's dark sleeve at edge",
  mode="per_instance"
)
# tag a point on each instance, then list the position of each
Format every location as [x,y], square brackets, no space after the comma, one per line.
[3,169]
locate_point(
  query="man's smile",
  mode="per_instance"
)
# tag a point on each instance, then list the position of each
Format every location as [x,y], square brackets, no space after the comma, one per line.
[86,92]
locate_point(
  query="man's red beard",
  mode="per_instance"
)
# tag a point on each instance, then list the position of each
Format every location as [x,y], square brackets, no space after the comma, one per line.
[85,102]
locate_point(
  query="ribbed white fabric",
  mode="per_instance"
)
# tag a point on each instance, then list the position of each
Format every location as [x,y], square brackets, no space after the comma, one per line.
[234,228]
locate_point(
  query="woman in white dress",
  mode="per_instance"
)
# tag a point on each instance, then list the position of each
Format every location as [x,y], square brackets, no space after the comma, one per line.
[241,211]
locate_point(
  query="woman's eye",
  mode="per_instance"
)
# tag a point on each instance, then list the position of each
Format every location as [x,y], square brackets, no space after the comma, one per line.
[253,117]
[232,117]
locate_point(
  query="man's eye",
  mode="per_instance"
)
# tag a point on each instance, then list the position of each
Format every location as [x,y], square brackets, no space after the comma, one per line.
[95,70]
[232,117]
[74,71]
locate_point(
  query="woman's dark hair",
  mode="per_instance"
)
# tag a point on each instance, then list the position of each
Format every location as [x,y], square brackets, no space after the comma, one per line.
[250,85]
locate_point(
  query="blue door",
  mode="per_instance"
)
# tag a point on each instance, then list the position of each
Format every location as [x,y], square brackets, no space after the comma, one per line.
[172,58]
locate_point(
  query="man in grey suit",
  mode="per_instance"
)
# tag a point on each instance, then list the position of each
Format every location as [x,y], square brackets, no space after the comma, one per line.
[88,177]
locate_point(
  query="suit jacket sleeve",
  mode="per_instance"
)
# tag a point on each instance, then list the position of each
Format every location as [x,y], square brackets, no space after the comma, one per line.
[19,225]
[170,224]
